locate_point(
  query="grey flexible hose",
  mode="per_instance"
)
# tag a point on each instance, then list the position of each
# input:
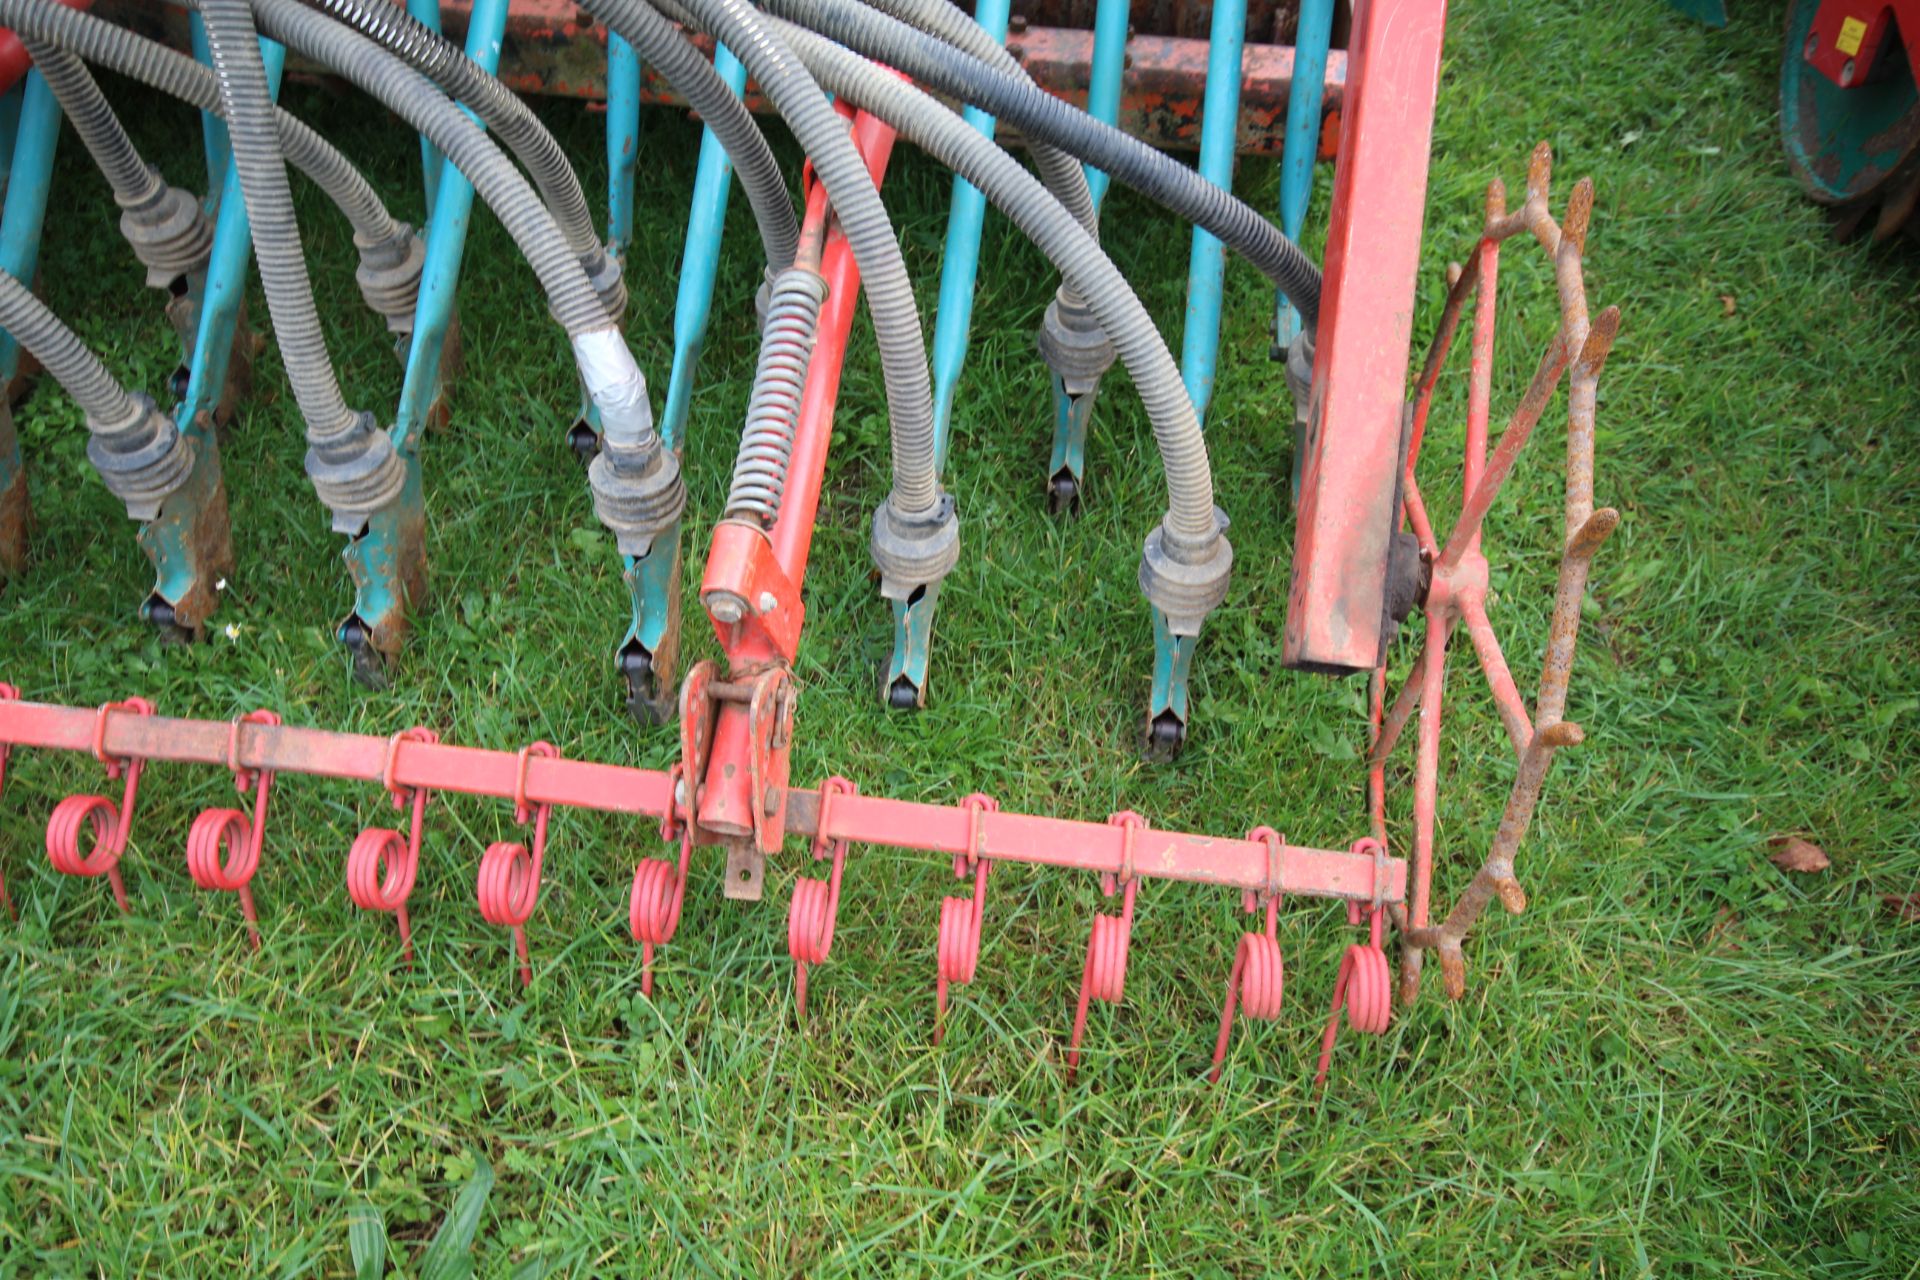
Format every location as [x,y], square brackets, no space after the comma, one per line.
[167,227]
[135,447]
[443,62]
[637,485]
[1038,114]
[100,130]
[870,236]
[417,101]
[331,425]
[1062,174]
[1083,264]
[175,74]
[779,383]
[693,77]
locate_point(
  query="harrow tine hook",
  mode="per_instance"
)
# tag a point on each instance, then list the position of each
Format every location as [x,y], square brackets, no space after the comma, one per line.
[1259,970]
[7,694]
[659,887]
[816,903]
[959,953]
[1365,984]
[1105,974]
[509,881]
[76,816]
[382,864]
[229,832]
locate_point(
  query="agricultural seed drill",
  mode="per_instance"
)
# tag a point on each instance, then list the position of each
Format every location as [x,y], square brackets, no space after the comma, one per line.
[849,79]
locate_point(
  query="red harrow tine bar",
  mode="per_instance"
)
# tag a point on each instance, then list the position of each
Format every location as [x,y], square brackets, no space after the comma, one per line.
[411,763]
[1458,567]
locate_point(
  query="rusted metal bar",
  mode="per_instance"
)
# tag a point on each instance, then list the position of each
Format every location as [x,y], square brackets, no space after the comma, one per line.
[554,47]
[1458,566]
[409,763]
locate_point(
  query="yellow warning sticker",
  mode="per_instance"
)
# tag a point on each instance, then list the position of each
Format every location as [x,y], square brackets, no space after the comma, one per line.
[1852,32]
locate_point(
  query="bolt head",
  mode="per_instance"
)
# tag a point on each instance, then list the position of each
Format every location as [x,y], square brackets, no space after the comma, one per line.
[1846,72]
[726,607]
[767,603]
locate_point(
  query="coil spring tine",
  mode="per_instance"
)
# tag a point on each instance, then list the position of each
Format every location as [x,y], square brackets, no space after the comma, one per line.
[773,414]
[816,903]
[223,845]
[659,887]
[1105,975]
[382,864]
[508,886]
[960,918]
[1259,971]
[1365,982]
[77,816]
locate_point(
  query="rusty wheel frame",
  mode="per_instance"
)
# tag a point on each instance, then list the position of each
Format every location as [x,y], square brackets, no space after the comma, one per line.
[1457,567]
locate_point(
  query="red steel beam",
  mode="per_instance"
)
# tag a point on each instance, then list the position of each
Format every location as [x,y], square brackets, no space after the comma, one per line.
[871,820]
[1348,487]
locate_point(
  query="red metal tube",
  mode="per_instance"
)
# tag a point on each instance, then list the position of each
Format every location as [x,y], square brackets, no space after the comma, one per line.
[1228,862]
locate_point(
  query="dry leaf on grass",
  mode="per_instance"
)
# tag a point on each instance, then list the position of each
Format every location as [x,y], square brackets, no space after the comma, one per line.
[1904,905]
[1791,853]
[1727,304]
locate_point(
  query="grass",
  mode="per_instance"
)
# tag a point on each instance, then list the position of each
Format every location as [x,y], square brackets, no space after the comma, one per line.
[1680,1062]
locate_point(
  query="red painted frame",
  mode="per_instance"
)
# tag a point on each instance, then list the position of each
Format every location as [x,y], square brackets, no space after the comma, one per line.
[554,780]
[1348,501]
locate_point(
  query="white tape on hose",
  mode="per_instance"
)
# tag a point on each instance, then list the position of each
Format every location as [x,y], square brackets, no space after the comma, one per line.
[616,385]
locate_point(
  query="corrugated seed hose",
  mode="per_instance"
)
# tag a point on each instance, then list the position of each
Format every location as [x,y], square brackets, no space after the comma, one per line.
[1038,114]
[385,244]
[1082,263]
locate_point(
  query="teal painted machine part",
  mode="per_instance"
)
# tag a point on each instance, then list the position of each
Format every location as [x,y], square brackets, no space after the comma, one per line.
[391,552]
[28,179]
[700,261]
[9,126]
[1300,145]
[906,682]
[1110,20]
[213,130]
[1071,413]
[653,579]
[623,140]
[176,541]
[1207,262]
[1172,666]
[427,14]
[960,264]
[1844,145]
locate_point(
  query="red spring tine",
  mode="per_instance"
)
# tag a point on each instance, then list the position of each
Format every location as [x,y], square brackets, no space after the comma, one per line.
[1259,972]
[228,831]
[1365,984]
[382,865]
[7,694]
[959,953]
[1105,974]
[76,815]
[816,903]
[509,883]
[659,887]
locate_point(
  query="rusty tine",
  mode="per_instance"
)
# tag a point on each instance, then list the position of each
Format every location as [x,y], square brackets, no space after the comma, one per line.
[7,694]
[508,886]
[1104,976]
[960,918]
[79,815]
[231,833]
[1259,970]
[816,903]
[382,865]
